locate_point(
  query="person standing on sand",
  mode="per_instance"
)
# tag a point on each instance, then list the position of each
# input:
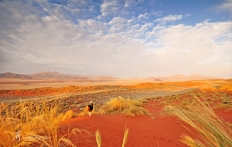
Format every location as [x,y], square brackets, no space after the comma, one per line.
[90,108]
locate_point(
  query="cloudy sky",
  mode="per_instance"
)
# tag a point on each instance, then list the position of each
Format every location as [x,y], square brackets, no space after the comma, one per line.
[122,38]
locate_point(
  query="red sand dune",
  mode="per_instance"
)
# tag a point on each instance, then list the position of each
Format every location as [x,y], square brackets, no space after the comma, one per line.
[143,130]
[146,131]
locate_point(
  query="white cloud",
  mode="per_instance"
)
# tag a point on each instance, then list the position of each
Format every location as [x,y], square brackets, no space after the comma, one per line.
[118,20]
[168,19]
[112,7]
[187,48]
[118,24]
[79,3]
[53,43]
[226,5]
[93,26]
[34,42]
[129,3]
[146,26]
[143,16]
[139,31]
[157,13]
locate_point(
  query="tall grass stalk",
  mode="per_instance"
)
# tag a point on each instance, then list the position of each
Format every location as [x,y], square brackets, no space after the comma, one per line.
[125,137]
[98,138]
[211,130]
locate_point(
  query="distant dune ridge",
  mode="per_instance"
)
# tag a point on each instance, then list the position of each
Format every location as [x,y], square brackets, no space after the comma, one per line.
[182,77]
[56,75]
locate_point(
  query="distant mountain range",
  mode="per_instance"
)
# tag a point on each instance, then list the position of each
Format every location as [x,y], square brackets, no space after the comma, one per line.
[14,76]
[182,77]
[54,75]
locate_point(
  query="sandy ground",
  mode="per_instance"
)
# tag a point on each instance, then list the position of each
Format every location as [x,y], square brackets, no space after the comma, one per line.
[144,131]
[10,84]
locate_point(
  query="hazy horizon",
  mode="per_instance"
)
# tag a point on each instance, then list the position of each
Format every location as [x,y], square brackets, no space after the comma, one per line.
[159,76]
[121,38]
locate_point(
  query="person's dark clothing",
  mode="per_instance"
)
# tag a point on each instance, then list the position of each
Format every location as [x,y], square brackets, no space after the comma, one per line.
[90,107]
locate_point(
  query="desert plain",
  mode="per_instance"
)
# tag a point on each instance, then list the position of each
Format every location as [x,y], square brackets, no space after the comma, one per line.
[157,128]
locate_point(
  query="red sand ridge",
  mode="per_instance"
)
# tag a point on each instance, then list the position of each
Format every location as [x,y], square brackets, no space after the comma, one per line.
[154,130]
[143,130]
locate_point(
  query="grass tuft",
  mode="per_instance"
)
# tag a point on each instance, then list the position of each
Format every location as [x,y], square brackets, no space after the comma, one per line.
[33,124]
[213,132]
[125,106]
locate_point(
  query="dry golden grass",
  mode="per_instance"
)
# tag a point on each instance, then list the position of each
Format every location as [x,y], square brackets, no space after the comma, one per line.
[226,87]
[125,106]
[212,131]
[98,138]
[125,136]
[207,88]
[28,124]
[223,106]
[69,114]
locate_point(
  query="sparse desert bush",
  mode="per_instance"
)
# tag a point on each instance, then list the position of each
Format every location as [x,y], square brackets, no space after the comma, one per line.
[27,124]
[224,106]
[207,88]
[69,114]
[185,103]
[84,112]
[163,103]
[155,99]
[143,100]
[227,87]
[212,132]
[124,106]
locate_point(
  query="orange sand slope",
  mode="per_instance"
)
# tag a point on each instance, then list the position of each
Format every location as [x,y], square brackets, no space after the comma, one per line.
[56,83]
[143,130]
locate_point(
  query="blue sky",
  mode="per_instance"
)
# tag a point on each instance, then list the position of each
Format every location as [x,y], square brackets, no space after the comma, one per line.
[122,38]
